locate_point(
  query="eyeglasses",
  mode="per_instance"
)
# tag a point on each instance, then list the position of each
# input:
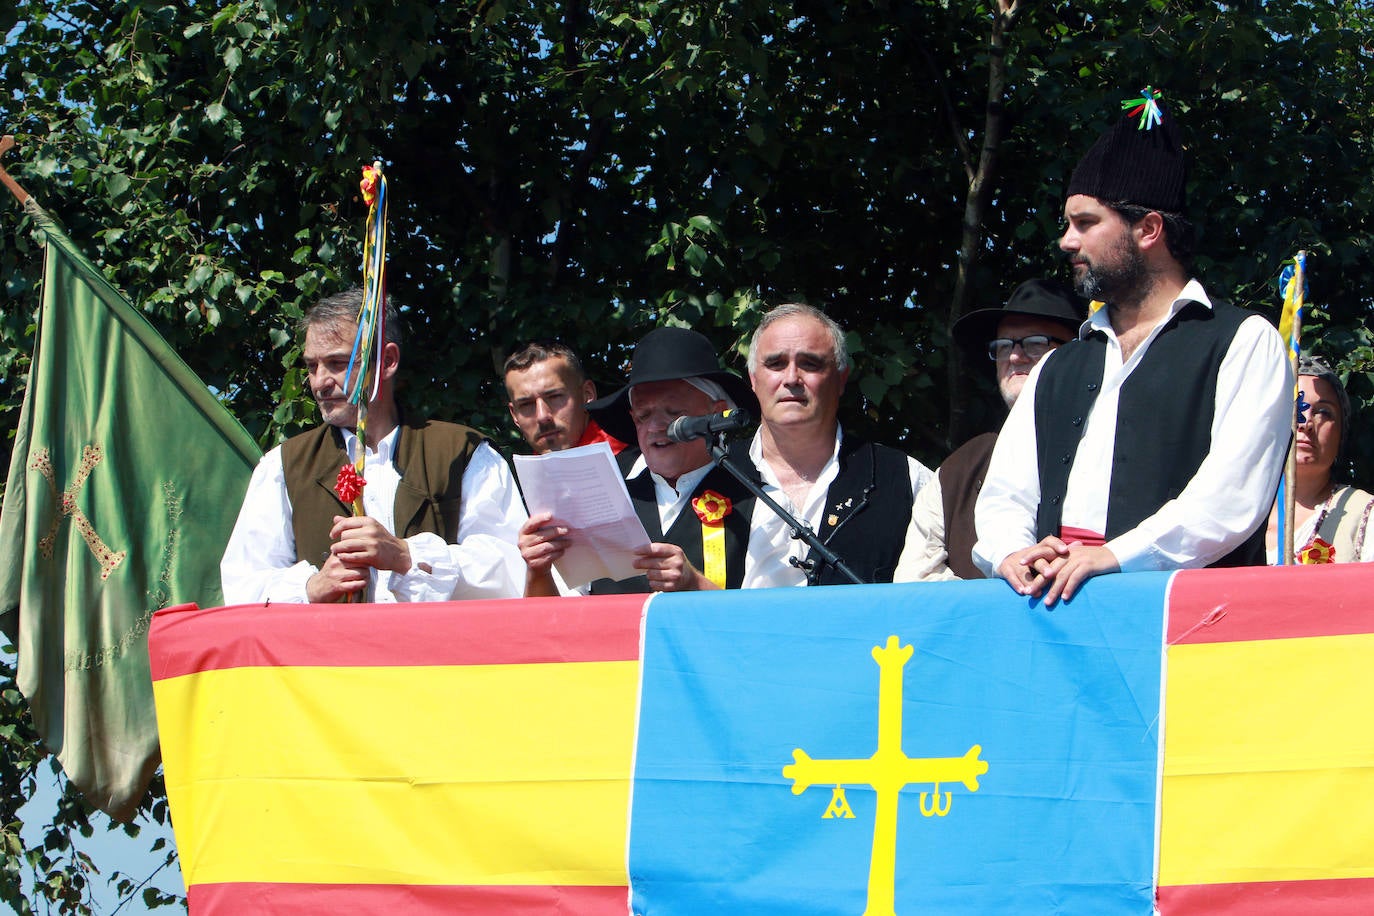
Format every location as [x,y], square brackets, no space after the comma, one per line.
[1034,346]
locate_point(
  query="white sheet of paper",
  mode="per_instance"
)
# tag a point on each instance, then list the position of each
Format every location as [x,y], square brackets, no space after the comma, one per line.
[583,489]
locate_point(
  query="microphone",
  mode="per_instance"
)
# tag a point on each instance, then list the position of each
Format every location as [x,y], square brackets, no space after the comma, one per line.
[685,429]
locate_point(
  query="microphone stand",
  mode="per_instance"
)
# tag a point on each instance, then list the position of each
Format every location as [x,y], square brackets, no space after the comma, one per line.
[800,530]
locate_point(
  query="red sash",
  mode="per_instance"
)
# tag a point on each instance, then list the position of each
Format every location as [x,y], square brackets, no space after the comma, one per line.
[1085,537]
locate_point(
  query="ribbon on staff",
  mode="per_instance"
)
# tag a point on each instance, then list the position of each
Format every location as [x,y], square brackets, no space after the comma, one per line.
[1293,286]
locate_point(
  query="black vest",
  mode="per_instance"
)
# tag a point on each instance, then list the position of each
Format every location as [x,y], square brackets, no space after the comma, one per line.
[1164,420]
[685,532]
[867,510]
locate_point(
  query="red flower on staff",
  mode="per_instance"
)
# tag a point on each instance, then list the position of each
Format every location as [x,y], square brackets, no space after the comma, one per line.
[1318,551]
[350,484]
[369,184]
[711,507]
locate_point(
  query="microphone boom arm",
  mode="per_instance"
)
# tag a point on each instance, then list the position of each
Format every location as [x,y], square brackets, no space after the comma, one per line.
[800,530]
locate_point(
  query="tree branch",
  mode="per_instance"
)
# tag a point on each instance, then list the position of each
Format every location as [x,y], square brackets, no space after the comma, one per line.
[976,204]
[6,144]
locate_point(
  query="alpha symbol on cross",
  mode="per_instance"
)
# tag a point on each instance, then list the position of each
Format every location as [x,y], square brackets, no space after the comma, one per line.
[887,772]
[66,501]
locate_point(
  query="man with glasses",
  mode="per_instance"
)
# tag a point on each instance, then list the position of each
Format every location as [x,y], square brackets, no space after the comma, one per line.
[1040,316]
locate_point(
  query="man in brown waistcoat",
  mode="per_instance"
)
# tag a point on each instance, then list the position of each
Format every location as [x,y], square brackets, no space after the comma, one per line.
[1039,316]
[441,511]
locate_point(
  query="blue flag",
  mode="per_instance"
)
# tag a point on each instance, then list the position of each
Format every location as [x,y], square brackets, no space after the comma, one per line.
[934,748]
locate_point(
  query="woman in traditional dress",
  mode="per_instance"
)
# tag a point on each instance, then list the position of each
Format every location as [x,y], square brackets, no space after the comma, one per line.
[1331,520]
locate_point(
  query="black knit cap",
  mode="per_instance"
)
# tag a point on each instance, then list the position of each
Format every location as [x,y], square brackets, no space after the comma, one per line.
[1134,165]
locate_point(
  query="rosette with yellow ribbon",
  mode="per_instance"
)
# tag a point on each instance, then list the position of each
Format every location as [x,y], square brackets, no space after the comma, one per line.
[1317,551]
[712,508]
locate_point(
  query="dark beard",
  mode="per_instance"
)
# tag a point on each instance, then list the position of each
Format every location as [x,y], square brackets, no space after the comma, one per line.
[1122,279]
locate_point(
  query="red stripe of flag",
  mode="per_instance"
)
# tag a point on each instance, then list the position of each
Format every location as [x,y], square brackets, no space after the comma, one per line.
[1326,897]
[187,639]
[407,899]
[1234,605]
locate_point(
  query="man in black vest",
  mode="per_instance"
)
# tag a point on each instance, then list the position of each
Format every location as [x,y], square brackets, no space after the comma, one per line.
[1039,316]
[1155,440]
[442,510]
[855,495]
[696,515]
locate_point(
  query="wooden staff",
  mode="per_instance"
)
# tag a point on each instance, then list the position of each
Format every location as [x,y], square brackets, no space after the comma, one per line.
[7,144]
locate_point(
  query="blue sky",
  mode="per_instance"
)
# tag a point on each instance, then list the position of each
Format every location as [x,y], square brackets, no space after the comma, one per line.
[111,850]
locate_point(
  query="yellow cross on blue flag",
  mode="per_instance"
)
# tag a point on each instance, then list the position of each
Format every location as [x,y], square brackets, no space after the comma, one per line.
[898,749]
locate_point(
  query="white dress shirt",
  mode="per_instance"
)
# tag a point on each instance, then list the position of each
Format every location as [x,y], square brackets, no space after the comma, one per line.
[1225,500]
[670,497]
[767,562]
[925,558]
[260,562]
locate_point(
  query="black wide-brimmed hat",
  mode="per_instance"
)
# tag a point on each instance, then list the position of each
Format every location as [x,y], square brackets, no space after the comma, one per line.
[665,355]
[1047,299]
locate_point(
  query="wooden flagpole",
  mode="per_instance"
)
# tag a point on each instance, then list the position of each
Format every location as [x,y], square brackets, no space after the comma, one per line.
[7,144]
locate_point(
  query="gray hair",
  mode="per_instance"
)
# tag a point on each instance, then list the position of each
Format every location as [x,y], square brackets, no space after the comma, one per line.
[800,310]
[342,309]
[712,389]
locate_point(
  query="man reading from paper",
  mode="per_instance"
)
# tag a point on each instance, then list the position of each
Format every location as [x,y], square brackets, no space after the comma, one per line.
[697,515]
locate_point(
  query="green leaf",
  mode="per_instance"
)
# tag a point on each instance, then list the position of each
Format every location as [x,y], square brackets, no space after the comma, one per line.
[873,388]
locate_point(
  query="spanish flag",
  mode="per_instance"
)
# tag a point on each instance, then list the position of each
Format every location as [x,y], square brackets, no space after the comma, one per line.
[471,757]
[1268,782]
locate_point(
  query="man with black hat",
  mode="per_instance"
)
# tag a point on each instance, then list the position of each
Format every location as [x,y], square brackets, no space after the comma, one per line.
[696,514]
[1155,440]
[1040,316]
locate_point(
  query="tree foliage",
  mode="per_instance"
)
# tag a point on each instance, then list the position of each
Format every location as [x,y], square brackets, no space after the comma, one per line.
[588,171]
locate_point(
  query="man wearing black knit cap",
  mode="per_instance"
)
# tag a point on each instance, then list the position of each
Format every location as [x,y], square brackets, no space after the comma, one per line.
[1155,440]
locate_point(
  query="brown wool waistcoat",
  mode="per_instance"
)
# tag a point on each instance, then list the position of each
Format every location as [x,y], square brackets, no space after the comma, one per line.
[430,457]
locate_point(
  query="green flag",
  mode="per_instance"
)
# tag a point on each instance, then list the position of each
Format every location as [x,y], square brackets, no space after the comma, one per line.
[123,487]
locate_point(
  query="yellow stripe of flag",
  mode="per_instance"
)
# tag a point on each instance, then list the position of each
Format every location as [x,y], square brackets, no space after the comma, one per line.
[314,774]
[1268,761]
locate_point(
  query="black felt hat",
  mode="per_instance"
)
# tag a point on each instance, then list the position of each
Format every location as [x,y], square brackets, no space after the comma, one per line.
[665,355]
[1048,299]
[1137,165]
